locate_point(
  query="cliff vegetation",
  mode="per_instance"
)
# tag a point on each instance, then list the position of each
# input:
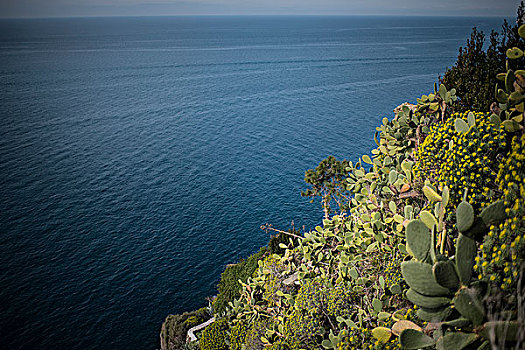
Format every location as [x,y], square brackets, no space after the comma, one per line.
[423,241]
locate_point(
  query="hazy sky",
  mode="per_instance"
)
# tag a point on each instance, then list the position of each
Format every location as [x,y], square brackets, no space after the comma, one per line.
[60,8]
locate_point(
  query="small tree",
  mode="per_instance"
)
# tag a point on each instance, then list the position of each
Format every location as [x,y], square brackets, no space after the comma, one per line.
[328,182]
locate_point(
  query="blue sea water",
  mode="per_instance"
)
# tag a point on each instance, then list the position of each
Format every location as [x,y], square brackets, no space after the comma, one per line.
[139,156]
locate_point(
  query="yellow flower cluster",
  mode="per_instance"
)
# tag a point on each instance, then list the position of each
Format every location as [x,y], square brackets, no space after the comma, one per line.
[393,273]
[214,336]
[463,161]
[503,249]
[301,330]
[361,339]
[238,335]
[310,295]
[318,297]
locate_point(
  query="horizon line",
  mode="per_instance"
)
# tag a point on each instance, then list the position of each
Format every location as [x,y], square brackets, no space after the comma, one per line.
[252,15]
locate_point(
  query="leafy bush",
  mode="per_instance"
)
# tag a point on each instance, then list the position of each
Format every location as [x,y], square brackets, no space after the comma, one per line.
[503,249]
[175,327]
[238,335]
[463,160]
[214,336]
[229,287]
[474,73]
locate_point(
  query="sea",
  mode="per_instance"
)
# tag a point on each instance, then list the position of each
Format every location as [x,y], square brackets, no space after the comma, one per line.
[141,155]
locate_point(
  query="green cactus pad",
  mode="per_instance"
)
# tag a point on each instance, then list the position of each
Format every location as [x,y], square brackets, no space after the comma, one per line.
[395,289]
[469,306]
[418,276]
[509,80]
[445,274]
[418,239]
[493,213]
[464,216]
[495,119]
[471,119]
[516,97]
[478,230]
[445,195]
[458,322]
[431,194]
[434,315]
[382,334]
[412,339]
[514,53]
[465,253]
[461,126]
[456,341]
[481,287]
[511,126]
[428,219]
[377,305]
[327,344]
[425,301]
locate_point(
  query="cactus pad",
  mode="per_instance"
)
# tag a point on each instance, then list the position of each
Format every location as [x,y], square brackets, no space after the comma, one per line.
[469,306]
[426,301]
[465,253]
[419,277]
[434,315]
[493,213]
[445,274]
[418,239]
[464,216]
[461,126]
[456,341]
[412,339]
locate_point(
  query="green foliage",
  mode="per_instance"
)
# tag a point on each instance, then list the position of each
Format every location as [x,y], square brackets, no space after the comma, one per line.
[463,160]
[319,297]
[301,330]
[282,238]
[362,338]
[503,249]
[474,73]
[412,339]
[175,327]
[214,336]
[273,269]
[327,181]
[229,287]
[238,335]
[512,94]
[430,190]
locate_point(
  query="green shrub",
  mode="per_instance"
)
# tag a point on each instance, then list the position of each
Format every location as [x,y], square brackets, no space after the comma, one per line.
[238,335]
[175,327]
[474,73]
[318,297]
[214,336]
[254,334]
[503,249]
[463,160]
[229,287]
[273,268]
[301,330]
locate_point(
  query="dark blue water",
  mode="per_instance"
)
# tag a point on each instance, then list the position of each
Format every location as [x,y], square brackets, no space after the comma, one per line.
[138,156]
